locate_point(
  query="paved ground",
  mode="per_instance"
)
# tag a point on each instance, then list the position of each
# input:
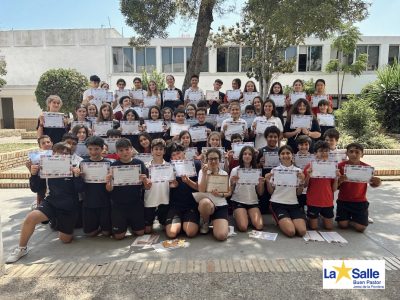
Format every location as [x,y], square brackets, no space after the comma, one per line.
[239,268]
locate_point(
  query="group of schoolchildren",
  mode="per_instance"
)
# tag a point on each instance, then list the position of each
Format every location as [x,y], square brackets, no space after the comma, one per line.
[183,205]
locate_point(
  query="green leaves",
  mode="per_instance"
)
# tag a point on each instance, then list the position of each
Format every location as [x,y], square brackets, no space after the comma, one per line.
[69,84]
[3,72]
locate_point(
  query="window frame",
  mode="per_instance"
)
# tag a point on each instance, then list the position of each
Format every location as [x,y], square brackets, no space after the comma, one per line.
[398,54]
[368,45]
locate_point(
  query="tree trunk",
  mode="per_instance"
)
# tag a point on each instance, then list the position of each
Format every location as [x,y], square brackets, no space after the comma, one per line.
[200,39]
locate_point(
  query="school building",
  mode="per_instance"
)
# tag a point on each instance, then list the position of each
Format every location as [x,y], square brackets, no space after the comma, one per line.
[105,52]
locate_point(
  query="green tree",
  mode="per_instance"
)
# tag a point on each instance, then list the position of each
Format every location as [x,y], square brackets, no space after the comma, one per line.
[69,84]
[384,95]
[345,45]
[151,18]
[270,26]
[3,72]
[159,78]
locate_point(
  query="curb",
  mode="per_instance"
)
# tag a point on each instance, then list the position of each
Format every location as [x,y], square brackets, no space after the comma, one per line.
[143,268]
[381,151]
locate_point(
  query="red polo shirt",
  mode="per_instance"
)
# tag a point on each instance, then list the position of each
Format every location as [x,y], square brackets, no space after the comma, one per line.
[352,191]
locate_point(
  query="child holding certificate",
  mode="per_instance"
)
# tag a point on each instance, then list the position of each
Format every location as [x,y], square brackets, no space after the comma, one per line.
[352,204]
[201,113]
[269,118]
[144,143]
[258,106]
[60,206]
[154,115]
[320,191]
[194,88]
[276,94]
[182,213]
[54,130]
[96,211]
[180,120]
[127,205]
[167,114]
[320,94]
[298,92]
[152,93]
[239,125]
[303,153]
[245,194]
[300,108]
[156,198]
[286,184]
[131,115]
[326,120]
[93,112]
[125,103]
[214,206]
[82,133]
[81,114]
[177,95]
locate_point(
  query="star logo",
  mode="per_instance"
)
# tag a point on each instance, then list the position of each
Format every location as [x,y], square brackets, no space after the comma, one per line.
[343,272]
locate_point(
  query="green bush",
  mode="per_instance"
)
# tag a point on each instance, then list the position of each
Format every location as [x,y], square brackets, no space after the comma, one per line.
[357,122]
[69,84]
[309,87]
[159,78]
[384,96]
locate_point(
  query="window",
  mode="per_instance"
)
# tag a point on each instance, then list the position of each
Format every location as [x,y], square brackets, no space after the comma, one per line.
[118,58]
[394,54]
[172,59]
[204,65]
[373,55]
[247,54]
[145,59]
[310,58]
[228,59]
[128,59]
[290,53]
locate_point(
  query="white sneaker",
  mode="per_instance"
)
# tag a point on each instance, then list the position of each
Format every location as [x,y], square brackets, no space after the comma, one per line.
[17,254]
[370,220]
[203,227]
[33,205]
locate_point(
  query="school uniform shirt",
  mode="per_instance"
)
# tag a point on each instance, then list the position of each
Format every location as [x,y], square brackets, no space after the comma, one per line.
[128,195]
[260,140]
[243,193]
[181,197]
[352,191]
[172,104]
[95,194]
[76,160]
[319,190]
[215,104]
[230,119]
[218,201]
[285,194]
[292,140]
[158,193]
[315,110]
[62,192]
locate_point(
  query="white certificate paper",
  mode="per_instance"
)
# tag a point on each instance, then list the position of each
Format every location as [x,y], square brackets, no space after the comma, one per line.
[234,127]
[195,96]
[154,126]
[249,176]
[323,169]
[315,99]
[279,99]
[101,128]
[198,134]
[191,152]
[301,121]
[34,156]
[122,93]
[126,175]
[296,96]
[129,127]
[184,167]
[237,147]
[150,101]
[56,166]
[137,95]
[144,157]
[249,119]
[143,112]
[357,173]
[170,95]
[176,129]
[271,159]
[232,95]
[285,177]
[111,145]
[220,183]
[220,118]
[53,120]
[95,172]
[161,173]
[249,96]
[87,124]
[338,155]
[262,125]
[302,160]
[212,95]
[326,119]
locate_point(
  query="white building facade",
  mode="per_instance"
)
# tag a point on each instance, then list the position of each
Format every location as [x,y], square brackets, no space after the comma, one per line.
[106,53]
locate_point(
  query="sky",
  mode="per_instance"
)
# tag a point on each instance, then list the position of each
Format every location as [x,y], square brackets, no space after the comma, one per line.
[384,18]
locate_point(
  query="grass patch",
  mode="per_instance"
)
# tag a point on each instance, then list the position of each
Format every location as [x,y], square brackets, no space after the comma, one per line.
[16,146]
